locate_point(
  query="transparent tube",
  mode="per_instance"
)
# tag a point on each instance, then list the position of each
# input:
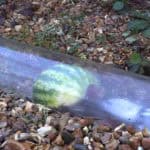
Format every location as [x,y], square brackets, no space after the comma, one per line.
[94,90]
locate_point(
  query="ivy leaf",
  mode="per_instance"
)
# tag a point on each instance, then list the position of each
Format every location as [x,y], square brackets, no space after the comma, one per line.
[137,25]
[118,5]
[146,33]
[135,59]
[126,34]
[131,39]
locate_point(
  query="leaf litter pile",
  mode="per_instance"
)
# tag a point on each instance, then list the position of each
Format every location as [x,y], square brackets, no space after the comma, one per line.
[88,30]
[99,30]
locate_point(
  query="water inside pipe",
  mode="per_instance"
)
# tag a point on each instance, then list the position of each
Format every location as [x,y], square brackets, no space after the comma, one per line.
[116,97]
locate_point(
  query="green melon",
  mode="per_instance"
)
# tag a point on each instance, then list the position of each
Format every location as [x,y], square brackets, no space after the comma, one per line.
[62,85]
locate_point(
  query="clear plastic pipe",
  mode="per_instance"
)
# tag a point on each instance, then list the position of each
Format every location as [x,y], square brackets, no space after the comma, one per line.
[83,88]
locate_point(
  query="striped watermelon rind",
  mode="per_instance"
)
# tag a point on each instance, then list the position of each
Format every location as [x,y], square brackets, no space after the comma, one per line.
[62,85]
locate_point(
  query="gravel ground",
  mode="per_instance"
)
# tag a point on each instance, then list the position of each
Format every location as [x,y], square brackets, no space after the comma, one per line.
[28,126]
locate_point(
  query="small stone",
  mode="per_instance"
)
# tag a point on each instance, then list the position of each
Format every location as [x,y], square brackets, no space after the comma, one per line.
[124,140]
[103,128]
[86,140]
[86,130]
[28,107]
[7,29]
[140,148]
[134,142]
[27,11]
[146,132]
[67,137]
[125,137]
[31,23]
[70,121]
[63,120]
[100,49]
[28,136]
[112,145]
[19,125]
[21,136]
[131,129]
[3,105]
[146,143]
[98,146]
[139,135]
[101,58]
[109,62]
[78,133]
[52,134]
[35,5]
[14,145]
[59,141]
[96,136]
[40,20]
[80,147]
[116,135]
[106,138]
[2,20]
[90,49]
[124,147]
[3,124]
[90,147]
[18,28]
[57,148]
[70,128]
[50,120]
[43,131]
[120,127]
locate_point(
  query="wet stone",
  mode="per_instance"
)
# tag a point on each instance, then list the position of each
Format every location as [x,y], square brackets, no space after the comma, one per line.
[146,132]
[146,143]
[3,124]
[52,134]
[106,138]
[124,147]
[67,137]
[124,140]
[112,145]
[26,12]
[96,136]
[86,140]
[80,147]
[59,141]
[19,125]
[2,138]
[43,131]
[14,145]
[134,142]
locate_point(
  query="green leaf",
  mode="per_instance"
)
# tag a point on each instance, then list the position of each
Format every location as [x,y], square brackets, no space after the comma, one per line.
[135,59]
[125,34]
[146,33]
[137,25]
[118,5]
[131,39]
[140,15]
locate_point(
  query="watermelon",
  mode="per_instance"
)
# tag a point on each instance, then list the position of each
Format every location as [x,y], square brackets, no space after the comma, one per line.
[62,85]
